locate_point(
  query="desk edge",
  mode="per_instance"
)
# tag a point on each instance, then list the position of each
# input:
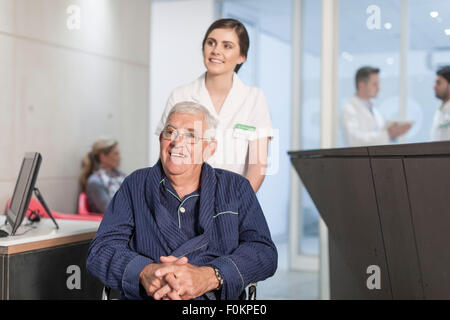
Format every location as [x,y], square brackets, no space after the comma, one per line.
[42,244]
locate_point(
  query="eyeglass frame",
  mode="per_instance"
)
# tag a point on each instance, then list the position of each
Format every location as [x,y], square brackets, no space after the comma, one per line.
[177,134]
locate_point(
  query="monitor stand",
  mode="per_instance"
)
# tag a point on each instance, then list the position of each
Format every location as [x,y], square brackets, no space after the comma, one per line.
[42,201]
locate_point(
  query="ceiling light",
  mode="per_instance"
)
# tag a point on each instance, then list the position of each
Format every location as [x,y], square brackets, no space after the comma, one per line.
[434,14]
[447,32]
[347,56]
[388,26]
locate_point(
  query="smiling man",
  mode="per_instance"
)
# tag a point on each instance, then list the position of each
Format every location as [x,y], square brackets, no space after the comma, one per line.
[181,229]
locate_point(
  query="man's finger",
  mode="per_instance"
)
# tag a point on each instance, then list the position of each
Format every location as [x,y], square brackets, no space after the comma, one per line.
[172,281]
[181,261]
[165,270]
[162,292]
[172,259]
[155,285]
[173,295]
[168,259]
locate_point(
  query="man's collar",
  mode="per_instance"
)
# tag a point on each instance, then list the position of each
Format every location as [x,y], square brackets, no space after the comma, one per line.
[445,105]
[168,185]
[366,103]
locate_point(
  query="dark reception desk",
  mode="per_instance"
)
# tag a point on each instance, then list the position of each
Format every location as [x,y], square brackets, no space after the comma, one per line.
[386,208]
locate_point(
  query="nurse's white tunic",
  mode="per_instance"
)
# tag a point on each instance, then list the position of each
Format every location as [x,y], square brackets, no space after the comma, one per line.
[243,117]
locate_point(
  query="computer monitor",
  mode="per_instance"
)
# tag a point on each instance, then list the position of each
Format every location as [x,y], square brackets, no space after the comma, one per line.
[23,190]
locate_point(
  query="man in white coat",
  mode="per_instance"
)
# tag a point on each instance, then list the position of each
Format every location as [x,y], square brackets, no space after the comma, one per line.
[441,124]
[362,124]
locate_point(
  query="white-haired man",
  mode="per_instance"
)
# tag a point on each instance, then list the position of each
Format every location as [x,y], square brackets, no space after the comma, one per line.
[181,229]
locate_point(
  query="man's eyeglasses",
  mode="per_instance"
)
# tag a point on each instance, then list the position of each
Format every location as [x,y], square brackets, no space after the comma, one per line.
[187,137]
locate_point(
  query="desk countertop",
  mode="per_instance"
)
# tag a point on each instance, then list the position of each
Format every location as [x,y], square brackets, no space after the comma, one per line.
[43,234]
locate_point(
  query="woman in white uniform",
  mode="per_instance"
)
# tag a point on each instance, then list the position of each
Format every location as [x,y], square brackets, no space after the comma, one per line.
[244,128]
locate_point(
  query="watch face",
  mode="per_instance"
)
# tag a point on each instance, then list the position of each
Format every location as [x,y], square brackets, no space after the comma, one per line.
[219,278]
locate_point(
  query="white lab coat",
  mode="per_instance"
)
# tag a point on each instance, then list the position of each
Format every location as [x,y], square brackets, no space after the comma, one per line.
[360,127]
[244,105]
[440,129]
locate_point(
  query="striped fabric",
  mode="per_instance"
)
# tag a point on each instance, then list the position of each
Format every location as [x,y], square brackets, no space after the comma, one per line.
[137,229]
[184,211]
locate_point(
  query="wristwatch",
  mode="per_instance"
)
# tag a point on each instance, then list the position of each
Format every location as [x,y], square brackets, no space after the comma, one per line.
[219,278]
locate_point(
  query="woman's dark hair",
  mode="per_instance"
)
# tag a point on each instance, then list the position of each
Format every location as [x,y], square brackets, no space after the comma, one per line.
[241,32]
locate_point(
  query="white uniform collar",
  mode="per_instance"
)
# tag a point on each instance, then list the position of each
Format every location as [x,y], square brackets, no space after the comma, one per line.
[237,94]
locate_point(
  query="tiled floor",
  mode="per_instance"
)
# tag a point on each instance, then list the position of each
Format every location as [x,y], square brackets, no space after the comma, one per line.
[286,284]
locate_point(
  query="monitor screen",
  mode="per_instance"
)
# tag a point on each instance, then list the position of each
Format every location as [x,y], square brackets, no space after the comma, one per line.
[23,190]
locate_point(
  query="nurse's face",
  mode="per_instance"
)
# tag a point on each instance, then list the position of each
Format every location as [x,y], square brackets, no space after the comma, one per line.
[183,147]
[222,52]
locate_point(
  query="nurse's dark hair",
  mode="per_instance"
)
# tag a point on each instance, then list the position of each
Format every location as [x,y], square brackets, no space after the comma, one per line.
[241,32]
[363,74]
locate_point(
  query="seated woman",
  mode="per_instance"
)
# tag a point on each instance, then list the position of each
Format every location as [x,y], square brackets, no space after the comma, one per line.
[100,177]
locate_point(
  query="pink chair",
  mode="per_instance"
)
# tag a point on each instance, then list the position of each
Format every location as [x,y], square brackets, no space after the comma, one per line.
[83,206]
[37,207]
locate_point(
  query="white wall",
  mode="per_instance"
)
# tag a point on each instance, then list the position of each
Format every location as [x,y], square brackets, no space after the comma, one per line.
[275,79]
[177,30]
[61,89]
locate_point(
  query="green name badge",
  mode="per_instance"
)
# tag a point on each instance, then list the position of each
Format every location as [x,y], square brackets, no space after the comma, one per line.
[244,132]
[444,125]
[245,127]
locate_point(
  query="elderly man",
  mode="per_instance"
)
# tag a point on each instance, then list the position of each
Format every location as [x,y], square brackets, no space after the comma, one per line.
[181,229]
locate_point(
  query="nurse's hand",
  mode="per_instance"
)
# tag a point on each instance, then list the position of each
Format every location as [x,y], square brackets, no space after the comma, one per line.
[257,164]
